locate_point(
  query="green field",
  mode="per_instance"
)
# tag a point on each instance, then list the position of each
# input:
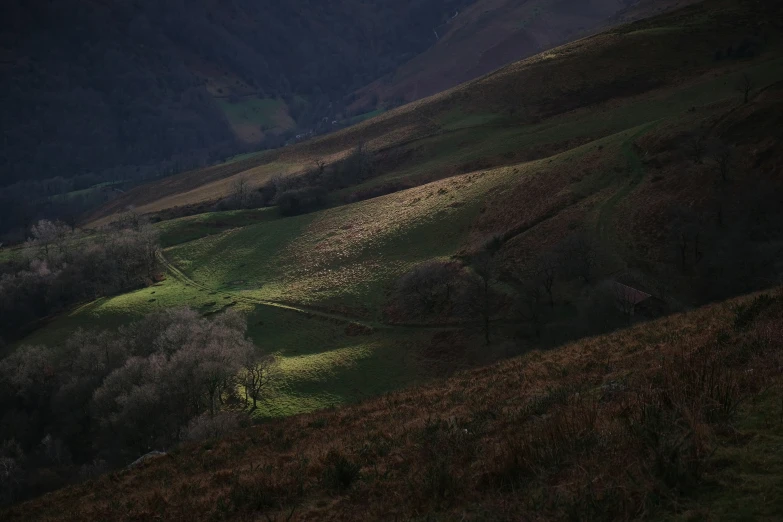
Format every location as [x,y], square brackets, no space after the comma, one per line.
[268,113]
[360,248]
[255,260]
[320,365]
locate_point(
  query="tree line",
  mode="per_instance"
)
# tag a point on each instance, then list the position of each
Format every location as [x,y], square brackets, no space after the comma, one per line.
[104,398]
[60,266]
[307,192]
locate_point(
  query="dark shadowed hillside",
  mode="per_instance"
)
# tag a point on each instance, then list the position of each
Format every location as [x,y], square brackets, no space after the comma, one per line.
[93,85]
[98,96]
[96,92]
[492,33]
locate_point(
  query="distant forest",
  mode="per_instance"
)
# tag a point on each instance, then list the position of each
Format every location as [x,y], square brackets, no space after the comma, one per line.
[108,89]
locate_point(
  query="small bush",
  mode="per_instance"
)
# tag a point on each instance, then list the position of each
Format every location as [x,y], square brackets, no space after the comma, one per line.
[208,426]
[300,201]
[340,472]
[376,191]
[745,314]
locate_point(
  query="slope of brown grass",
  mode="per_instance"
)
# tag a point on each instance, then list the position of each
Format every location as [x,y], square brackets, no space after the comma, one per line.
[614,427]
[492,33]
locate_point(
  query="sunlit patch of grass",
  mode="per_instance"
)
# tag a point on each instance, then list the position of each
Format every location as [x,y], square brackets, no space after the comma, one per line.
[371,366]
[244,156]
[111,312]
[84,192]
[342,257]
[458,119]
[320,365]
[365,116]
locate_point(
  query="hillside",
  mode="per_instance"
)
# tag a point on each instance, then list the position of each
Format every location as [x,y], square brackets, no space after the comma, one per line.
[164,81]
[174,87]
[488,35]
[669,420]
[608,161]
[519,214]
[170,84]
[529,110]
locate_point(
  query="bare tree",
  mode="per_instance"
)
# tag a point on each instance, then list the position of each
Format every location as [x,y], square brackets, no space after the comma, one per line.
[429,288]
[120,394]
[240,191]
[725,158]
[149,401]
[547,267]
[687,237]
[530,305]
[479,297]
[255,376]
[697,147]
[49,242]
[745,87]
[579,255]
[208,426]
[320,166]
[130,219]
[30,375]
[220,348]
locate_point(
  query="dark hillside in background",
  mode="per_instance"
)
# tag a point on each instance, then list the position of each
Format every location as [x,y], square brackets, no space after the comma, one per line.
[89,86]
[97,97]
[96,92]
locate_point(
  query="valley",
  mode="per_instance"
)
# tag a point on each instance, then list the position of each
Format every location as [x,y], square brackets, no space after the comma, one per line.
[439,293]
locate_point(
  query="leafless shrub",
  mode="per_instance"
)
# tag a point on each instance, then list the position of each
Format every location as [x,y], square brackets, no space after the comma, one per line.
[745,87]
[430,289]
[579,255]
[697,146]
[209,426]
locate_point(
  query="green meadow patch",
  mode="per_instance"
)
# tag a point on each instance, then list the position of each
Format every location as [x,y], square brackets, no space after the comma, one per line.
[268,113]
[343,258]
[321,363]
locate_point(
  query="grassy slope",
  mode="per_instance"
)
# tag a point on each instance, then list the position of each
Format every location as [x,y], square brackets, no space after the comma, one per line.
[343,260]
[250,117]
[357,253]
[550,433]
[492,33]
